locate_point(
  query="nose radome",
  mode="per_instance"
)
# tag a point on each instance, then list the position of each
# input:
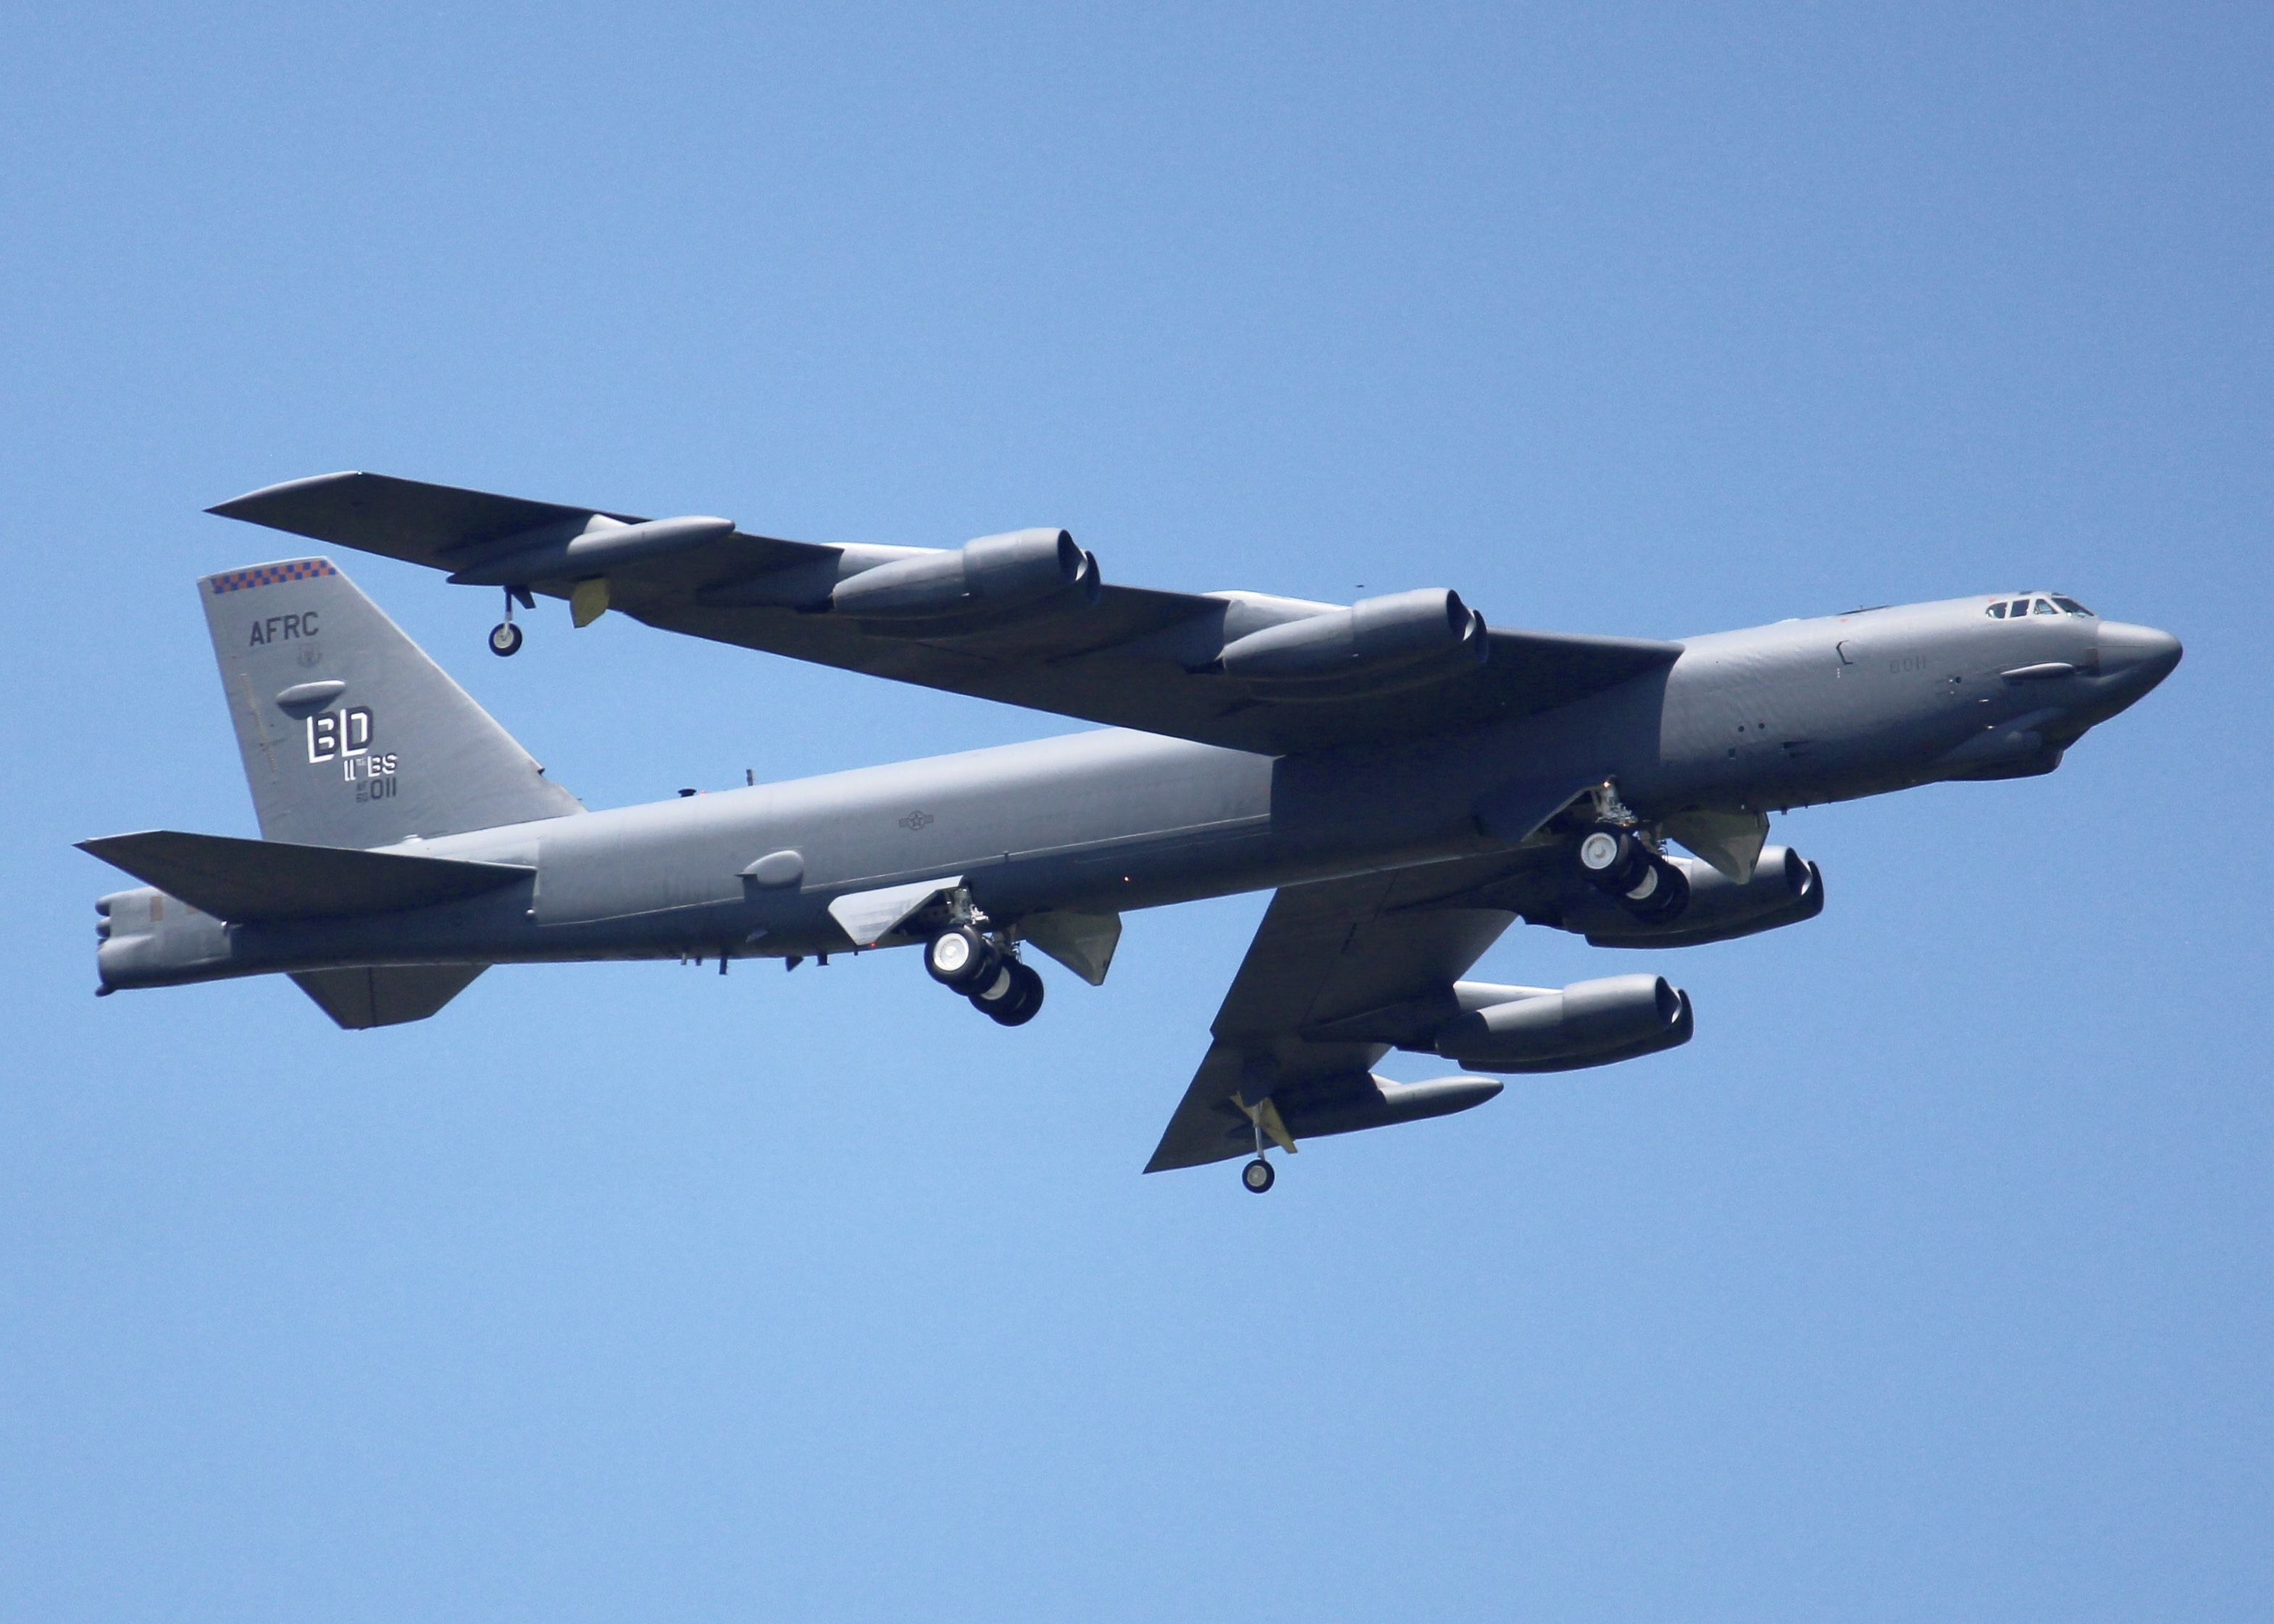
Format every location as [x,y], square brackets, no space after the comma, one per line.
[2139,652]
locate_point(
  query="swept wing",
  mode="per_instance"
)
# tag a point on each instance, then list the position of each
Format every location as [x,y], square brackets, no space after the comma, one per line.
[1126,657]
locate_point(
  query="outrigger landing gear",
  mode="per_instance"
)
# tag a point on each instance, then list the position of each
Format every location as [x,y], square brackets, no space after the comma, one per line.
[1263,1116]
[505,636]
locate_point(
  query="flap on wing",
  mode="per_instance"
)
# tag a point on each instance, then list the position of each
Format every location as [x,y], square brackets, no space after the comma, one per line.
[248,880]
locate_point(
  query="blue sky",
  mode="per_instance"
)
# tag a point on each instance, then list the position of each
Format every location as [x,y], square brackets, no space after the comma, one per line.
[1931,1280]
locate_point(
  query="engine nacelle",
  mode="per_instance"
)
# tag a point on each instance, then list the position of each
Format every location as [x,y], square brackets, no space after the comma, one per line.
[1376,640]
[1785,888]
[992,574]
[1586,1023]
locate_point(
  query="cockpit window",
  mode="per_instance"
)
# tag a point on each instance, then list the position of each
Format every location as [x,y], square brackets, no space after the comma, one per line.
[2054,604]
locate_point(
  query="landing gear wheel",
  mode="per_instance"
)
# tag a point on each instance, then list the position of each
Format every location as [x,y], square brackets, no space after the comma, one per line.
[1613,857]
[1258,1175]
[996,994]
[1659,895]
[505,639]
[1013,998]
[962,960]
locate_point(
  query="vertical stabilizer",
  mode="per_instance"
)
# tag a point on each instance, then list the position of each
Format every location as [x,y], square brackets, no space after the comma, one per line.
[351,735]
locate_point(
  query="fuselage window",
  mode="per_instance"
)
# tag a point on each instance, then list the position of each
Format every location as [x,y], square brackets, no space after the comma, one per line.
[2045,608]
[2071,606]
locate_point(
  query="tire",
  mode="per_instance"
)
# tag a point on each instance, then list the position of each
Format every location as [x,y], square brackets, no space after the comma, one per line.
[1666,898]
[996,994]
[505,639]
[1019,1000]
[1029,994]
[1258,1176]
[961,960]
[1611,858]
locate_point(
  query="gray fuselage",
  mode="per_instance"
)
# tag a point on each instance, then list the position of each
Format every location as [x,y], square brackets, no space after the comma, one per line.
[1791,714]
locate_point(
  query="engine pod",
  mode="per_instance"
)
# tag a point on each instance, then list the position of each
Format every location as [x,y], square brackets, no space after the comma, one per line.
[1588,1023]
[992,574]
[1375,640]
[1786,889]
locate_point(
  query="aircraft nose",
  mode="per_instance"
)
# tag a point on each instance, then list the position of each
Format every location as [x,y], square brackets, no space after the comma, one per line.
[2141,653]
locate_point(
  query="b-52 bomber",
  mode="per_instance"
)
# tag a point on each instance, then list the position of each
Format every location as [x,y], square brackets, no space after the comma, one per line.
[1408,778]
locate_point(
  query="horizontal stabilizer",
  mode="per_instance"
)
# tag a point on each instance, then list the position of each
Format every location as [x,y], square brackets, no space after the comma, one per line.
[249,881]
[385,995]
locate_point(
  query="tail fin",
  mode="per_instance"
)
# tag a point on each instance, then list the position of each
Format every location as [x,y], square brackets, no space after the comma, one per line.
[351,735]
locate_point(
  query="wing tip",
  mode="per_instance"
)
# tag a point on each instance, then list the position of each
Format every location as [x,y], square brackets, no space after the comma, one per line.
[245,506]
[101,845]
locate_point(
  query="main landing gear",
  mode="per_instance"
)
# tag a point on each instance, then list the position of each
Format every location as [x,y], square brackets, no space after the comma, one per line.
[1257,1175]
[1615,858]
[964,959]
[505,636]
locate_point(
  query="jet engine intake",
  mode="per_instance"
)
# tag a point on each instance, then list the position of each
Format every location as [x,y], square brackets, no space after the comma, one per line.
[1586,1023]
[1785,888]
[977,579]
[1377,641]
